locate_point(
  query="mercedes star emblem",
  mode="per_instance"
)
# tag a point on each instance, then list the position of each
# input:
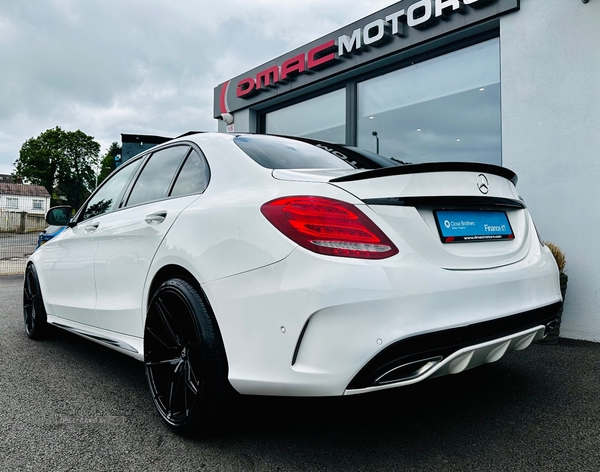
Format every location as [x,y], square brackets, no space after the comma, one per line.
[483,184]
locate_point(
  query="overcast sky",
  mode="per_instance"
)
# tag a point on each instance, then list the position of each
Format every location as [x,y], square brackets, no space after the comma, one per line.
[140,66]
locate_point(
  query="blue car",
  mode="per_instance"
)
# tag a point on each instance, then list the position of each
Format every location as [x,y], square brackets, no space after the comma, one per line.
[48,234]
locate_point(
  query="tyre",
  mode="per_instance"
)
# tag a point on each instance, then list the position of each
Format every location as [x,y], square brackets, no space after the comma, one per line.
[184,357]
[34,313]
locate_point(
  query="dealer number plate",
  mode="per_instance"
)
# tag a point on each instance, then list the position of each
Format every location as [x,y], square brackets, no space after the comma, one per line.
[472,226]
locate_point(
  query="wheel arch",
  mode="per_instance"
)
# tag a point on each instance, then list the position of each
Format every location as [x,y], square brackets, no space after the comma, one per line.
[172,271]
[34,309]
[181,321]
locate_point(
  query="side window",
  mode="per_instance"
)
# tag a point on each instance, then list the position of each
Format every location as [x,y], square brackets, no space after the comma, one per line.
[106,198]
[156,176]
[193,177]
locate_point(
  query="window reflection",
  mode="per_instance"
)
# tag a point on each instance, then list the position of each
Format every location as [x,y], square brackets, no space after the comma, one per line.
[193,177]
[104,200]
[98,208]
[322,117]
[157,175]
[443,109]
[281,153]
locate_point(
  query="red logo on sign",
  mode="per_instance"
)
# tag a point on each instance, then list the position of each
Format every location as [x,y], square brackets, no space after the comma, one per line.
[316,58]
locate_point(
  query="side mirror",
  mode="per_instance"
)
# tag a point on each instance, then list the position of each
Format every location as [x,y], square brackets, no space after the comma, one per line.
[59,216]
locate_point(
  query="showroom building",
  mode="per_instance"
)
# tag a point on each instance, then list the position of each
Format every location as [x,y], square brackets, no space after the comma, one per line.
[506,82]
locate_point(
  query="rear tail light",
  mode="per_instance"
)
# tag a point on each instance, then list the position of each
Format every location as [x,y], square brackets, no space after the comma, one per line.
[328,226]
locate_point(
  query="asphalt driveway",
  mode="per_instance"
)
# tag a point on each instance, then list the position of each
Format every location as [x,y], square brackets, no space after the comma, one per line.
[14,250]
[69,404]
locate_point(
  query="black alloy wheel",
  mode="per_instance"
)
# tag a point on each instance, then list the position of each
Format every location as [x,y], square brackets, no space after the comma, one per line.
[184,357]
[34,313]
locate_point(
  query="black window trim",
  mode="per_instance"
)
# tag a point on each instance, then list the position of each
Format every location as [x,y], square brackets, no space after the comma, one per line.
[78,218]
[191,146]
[202,157]
[125,200]
[145,157]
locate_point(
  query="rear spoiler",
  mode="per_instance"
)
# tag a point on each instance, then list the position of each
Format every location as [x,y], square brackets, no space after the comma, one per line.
[431,167]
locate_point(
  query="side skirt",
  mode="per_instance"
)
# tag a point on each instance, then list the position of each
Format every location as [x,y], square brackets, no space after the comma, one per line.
[128,345]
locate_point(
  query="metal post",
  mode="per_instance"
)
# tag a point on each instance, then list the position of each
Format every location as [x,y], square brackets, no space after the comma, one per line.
[376,140]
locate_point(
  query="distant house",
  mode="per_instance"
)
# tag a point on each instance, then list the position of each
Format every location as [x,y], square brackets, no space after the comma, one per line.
[18,197]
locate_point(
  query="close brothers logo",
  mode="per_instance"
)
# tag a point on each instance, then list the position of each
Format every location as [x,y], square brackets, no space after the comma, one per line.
[420,14]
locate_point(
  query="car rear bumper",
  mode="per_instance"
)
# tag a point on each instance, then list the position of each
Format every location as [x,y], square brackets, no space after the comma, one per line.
[310,325]
[452,351]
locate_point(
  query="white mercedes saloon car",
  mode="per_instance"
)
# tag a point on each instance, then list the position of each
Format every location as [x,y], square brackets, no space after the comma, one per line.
[282,266]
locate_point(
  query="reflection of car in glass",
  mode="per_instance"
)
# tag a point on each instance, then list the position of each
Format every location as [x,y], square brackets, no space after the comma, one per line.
[50,232]
[271,266]
[354,156]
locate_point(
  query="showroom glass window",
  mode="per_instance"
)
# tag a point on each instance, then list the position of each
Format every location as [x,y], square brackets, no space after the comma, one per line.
[443,109]
[322,117]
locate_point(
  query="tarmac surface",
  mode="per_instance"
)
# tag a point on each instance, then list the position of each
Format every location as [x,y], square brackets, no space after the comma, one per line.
[69,404]
[14,250]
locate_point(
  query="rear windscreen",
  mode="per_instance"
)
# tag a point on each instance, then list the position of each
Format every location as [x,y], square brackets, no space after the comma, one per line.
[280,153]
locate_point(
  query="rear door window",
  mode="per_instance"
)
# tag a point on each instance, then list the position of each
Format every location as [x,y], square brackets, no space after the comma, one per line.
[157,175]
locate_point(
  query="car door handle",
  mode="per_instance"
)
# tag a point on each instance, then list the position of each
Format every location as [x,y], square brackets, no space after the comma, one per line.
[156,218]
[90,228]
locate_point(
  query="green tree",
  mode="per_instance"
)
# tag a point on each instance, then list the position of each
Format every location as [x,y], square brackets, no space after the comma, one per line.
[108,164]
[40,159]
[62,161]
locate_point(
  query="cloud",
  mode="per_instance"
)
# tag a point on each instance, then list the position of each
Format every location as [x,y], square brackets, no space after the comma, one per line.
[140,66]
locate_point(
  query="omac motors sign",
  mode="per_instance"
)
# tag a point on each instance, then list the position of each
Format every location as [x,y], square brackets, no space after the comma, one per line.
[393,29]
[420,14]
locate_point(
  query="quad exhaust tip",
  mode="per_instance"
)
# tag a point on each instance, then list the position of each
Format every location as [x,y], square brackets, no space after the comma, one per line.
[408,371]
[550,326]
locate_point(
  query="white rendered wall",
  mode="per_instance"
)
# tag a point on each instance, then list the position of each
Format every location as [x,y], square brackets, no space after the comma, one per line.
[550,75]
